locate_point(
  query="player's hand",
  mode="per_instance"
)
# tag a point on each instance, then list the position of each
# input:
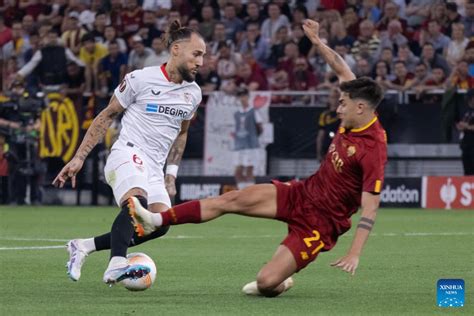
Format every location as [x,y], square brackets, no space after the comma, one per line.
[170,185]
[311,30]
[347,263]
[68,172]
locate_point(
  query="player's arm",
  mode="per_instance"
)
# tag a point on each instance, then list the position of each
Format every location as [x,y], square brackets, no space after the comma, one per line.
[174,158]
[95,133]
[334,60]
[370,204]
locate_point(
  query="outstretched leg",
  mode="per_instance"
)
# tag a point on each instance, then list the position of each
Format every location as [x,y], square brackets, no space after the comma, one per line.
[256,201]
[275,276]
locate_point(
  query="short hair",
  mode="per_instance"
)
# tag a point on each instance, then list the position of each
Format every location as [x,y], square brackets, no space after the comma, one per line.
[176,33]
[364,88]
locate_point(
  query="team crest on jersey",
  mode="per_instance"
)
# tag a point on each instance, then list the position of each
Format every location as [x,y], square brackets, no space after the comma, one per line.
[351,150]
[137,160]
[122,86]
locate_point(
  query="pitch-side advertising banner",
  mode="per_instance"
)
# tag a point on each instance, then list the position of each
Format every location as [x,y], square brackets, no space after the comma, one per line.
[448,192]
[220,128]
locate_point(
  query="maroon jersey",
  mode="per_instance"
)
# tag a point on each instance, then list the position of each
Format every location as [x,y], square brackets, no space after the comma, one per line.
[354,164]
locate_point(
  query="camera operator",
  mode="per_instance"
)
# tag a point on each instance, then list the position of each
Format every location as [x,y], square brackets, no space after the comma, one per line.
[19,120]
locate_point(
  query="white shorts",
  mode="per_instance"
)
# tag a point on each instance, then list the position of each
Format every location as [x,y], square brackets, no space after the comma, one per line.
[128,168]
[246,157]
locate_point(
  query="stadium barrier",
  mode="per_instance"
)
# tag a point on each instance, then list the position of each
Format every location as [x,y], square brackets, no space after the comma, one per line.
[426,192]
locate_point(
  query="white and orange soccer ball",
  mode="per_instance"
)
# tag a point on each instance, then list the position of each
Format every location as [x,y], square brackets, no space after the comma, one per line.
[146,281]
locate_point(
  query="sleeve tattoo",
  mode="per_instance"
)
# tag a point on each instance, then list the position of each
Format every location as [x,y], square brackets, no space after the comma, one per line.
[176,152]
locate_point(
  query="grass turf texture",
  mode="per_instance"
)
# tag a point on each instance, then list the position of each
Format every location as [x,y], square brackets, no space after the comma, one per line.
[201,268]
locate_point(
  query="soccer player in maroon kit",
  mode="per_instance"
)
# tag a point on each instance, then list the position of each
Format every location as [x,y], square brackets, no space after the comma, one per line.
[318,209]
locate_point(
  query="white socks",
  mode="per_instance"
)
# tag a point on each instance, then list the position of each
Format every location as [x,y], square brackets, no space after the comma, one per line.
[157,219]
[88,245]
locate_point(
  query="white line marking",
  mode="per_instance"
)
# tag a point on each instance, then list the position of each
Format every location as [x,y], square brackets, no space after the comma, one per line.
[33,239]
[33,248]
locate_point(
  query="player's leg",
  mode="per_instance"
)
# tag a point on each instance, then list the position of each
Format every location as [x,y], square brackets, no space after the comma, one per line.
[275,276]
[256,201]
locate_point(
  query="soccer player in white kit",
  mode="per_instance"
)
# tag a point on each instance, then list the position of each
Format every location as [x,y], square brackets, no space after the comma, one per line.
[158,104]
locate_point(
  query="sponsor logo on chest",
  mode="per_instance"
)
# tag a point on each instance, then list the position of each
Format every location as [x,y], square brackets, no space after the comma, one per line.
[165,109]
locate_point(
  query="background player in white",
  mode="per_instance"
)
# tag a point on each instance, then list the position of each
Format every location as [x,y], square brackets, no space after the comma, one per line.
[158,103]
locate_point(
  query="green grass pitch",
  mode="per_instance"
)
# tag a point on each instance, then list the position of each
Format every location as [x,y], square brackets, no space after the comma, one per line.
[201,268]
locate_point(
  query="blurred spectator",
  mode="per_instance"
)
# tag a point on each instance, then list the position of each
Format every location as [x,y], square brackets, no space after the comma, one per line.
[206,27]
[274,22]
[75,82]
[72,33]
[466,127]
[382,74]
[183,7]
[366,37]
[278,46]
[138,54]
[339,34]
[255,44]
[110,35]
[12,12]
[391,13]
[149,31]
[100,23]
[299,14]
[435,80]
[280,82]
[208,79]
[240,8]
[4,179]
[160,56]
[227,63]
[304,44]
[434,36]
[287,62]
[251,79]
[218,37]
[328,124]
[455,49]
[393,37]
[417,11]
[438,13]
[5,33]
[17,46]
[116,8]
[420,77]
[113,68]
[460,77]
[51,61]
[351,21]
[362,68]
[253,13]
[91,54]
[403,79]
[160,7]
[28,24]
[32,82]
[338,5]
[9,72]
[453,16]
[233,25]
[406,55]
[468,20]
[432,59]
[302,79]
[370,11]
[131,17]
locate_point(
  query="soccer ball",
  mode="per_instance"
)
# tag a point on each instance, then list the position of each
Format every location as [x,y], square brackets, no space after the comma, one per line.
[145,282]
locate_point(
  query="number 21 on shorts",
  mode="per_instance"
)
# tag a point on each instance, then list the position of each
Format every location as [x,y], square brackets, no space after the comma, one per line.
[314,241]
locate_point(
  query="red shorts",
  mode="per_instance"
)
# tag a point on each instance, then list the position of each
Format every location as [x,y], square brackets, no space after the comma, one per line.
[309,232]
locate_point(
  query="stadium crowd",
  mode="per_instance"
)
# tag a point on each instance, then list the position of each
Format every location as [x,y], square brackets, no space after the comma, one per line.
[87,46]
[84,48]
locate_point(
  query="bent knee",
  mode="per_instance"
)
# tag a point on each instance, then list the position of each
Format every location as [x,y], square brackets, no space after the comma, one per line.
[267,283]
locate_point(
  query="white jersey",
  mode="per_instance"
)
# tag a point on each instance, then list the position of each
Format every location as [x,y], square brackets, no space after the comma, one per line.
[155,107]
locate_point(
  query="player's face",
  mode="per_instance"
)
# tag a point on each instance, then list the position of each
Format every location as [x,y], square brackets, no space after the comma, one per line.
[191,55]
[348,111]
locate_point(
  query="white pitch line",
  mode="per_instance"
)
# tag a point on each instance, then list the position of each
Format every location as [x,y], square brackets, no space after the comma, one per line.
[33,248]
[33,239]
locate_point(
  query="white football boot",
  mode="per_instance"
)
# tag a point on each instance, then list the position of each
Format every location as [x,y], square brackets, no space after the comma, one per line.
[252,288]
[77,256]
[142,218]
[119,269]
